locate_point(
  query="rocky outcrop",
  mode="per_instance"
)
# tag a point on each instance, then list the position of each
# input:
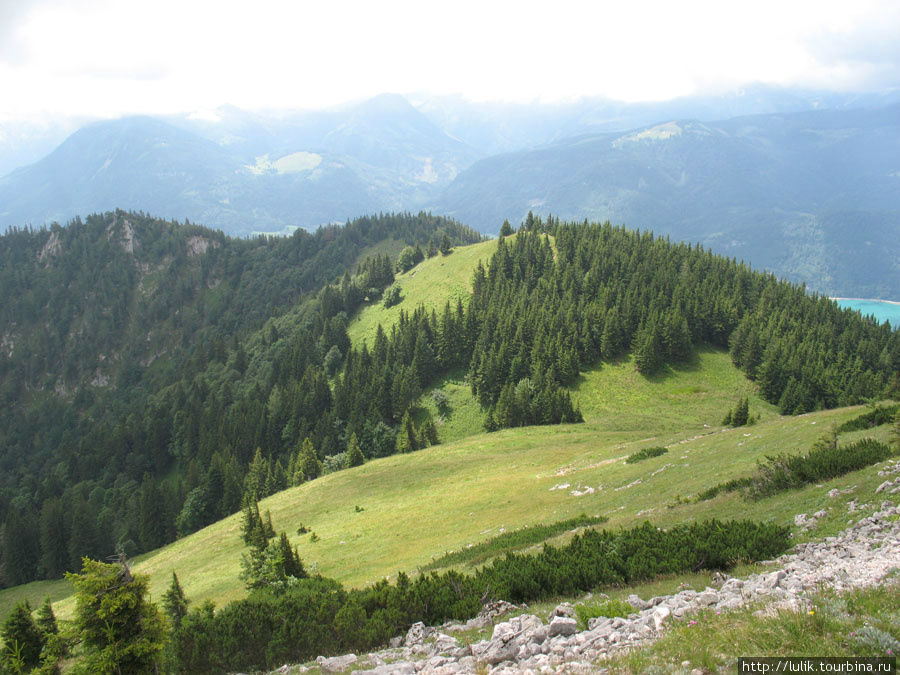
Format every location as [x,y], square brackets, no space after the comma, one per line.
[862,555]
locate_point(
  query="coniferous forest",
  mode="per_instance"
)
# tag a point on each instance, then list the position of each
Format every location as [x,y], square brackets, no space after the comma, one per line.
[155,376]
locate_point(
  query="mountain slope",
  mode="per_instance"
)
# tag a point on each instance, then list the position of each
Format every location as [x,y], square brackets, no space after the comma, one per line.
[496,482]
[810,196]
[111,320]
[242,174]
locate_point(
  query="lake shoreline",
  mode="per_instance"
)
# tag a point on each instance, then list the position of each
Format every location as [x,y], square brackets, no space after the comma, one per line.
[881,310]
[890,302]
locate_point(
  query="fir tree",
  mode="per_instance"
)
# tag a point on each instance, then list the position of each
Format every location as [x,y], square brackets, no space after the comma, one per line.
[120,630]
[407,440]
[354,453]
[175,603]
[741,413]
[22,641]
[46,619]
[309,466]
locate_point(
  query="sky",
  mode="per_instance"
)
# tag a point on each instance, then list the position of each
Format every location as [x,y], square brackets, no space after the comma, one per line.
[105,58]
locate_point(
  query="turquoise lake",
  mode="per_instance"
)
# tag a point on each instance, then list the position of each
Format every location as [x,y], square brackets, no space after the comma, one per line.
[883,311]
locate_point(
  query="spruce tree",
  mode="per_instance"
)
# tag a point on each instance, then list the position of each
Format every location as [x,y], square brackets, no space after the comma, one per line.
[175,603]
[121,631]
[355,456]
[22,641]
[407,440]
[741,413]
[309,465]
[46,619]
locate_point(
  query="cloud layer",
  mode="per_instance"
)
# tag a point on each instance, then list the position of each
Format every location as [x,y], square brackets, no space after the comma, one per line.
[101,57]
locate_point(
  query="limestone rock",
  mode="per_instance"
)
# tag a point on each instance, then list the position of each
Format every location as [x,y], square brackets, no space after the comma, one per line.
[563,625]
[563,609]
[336,664]
[416,634]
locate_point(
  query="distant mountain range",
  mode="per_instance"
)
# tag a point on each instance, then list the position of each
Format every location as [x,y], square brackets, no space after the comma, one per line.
[245,174]
[812,196]
[807,186]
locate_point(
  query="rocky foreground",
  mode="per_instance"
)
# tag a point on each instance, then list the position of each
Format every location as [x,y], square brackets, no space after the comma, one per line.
[862,555]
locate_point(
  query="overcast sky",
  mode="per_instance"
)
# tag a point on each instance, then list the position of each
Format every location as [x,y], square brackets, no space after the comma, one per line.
[112,57]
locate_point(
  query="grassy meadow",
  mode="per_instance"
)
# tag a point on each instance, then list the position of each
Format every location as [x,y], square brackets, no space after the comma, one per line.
[413,508]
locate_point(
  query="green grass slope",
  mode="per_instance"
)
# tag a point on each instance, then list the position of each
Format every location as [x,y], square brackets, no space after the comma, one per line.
[415,507]
[431,283]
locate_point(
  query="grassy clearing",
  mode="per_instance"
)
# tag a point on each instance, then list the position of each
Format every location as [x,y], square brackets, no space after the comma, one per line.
[462,416]
[684,396]
[431,283]
[857,623]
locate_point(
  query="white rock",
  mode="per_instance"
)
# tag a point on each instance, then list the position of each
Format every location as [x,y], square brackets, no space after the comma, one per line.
[563,625]
[336,664]
[660,614]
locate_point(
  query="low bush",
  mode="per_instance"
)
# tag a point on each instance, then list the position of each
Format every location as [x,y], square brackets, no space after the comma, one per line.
[823,462]
[605,608]
[729,486]
[882,414]
[317,616]
[646,453]
[509,541]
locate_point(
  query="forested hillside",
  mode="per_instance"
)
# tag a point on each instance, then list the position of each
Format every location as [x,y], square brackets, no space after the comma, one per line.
[251,384]
[108,329]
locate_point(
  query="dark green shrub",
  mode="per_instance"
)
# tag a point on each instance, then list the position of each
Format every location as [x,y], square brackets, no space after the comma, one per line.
[882,414]
[22,641]
[646,453]
[785,472]
[606,608]
[317,616]
[508,541]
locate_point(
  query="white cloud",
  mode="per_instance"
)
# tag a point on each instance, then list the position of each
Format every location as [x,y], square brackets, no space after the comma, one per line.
[104,57]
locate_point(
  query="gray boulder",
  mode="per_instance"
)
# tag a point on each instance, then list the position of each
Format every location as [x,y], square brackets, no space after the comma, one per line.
[336,664]
[563,625]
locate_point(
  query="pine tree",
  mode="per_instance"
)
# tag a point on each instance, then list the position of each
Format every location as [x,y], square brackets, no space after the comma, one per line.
[120,630]
[648,353]
[54,538]
[21,547]
[741,413]
[152,519]
[428,432]
[309,466]
[175,603]
[612,338]
[255,481]
[354,453]
[255,531]
[407,440]
[22,641]
[46,619]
